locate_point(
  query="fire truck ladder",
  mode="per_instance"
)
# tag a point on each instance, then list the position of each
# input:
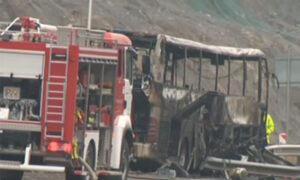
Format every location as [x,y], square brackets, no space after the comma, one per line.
[58,109]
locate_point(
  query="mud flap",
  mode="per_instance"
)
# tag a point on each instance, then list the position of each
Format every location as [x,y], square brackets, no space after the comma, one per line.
[110,175]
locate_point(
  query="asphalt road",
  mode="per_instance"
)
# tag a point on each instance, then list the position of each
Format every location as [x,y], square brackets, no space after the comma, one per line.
[60,176]
[43,176]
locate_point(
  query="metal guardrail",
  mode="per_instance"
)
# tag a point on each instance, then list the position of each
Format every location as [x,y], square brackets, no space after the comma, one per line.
[285,149]
[254,168]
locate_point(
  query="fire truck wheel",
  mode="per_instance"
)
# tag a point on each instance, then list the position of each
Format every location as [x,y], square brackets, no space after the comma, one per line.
[9,175]
[125,159]
[74,177]
[184,155]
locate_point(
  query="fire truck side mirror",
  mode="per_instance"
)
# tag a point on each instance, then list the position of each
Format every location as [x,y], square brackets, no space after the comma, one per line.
[146,64]
[125,104]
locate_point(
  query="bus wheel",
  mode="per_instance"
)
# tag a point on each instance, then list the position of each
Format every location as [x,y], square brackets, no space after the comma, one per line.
[10,174]
[184,155]
[125,153]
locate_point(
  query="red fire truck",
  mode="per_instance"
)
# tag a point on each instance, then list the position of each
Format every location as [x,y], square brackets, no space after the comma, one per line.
[65,101]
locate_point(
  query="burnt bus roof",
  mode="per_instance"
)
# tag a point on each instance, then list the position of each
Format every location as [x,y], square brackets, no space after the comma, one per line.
[178,45]
[211,51]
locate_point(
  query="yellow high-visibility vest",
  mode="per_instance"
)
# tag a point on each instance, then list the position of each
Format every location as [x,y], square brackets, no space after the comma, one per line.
[270,126]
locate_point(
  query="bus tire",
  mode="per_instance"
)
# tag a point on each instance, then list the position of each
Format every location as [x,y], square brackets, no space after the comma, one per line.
[184,155]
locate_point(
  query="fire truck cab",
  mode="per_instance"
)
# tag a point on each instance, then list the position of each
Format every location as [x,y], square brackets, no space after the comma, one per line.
[65,102]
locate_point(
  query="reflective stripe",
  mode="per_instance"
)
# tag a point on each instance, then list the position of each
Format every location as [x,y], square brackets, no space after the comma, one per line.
[75,150]
[97,61]
[270,127]
[268,138]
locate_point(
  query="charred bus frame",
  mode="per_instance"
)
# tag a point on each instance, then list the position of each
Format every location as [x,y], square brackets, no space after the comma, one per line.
[171,97]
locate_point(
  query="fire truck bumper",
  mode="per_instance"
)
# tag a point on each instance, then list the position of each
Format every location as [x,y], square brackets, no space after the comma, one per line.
[15,165]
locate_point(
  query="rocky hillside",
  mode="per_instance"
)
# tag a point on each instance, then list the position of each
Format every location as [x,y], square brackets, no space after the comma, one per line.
[271,25]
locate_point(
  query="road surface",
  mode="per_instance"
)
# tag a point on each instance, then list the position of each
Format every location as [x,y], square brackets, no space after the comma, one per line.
[60,176]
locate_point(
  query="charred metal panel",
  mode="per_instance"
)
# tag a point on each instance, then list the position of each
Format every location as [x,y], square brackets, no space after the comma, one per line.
[155,100]
[225,127]
[174,100]
[243,110]
[157,61]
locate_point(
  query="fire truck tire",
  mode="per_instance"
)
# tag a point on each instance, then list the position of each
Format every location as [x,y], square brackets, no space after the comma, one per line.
[9,175]
[73,177]
[125,153]
[184,154]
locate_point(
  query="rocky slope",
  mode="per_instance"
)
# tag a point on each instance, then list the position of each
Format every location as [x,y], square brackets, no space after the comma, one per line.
[271,25]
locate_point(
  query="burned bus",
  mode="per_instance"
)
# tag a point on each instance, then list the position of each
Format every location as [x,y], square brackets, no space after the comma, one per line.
[192,100]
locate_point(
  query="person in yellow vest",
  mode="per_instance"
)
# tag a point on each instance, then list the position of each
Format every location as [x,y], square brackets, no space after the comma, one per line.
[270,126]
